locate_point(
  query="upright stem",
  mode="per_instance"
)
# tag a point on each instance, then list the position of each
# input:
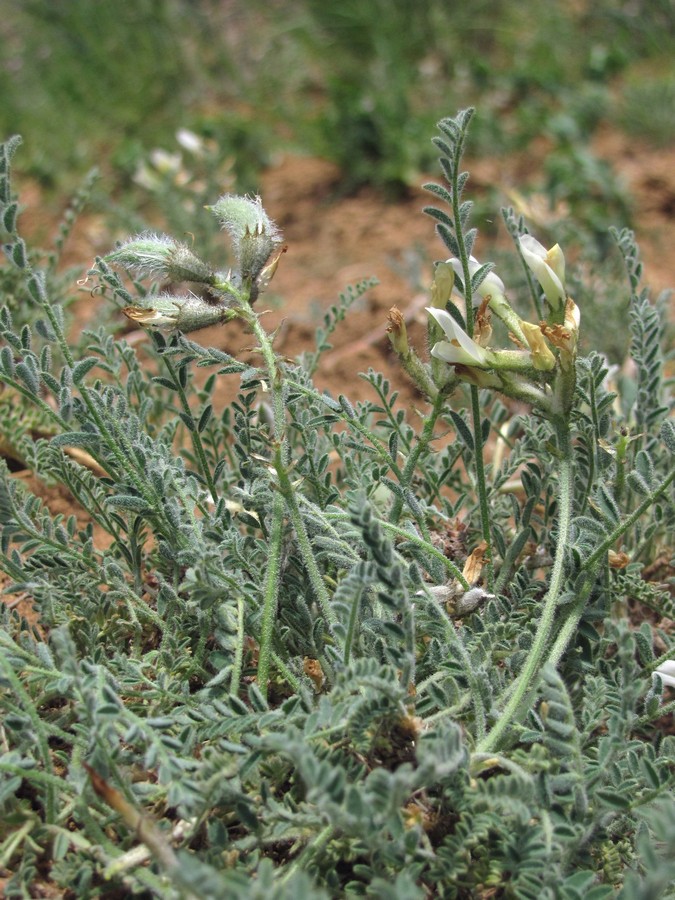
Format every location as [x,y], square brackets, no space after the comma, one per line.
[529,677]
[413,456]
[482,487]
[273,574]
[271,593]
[238,662]
[194,434]
[305,545]
[475,405]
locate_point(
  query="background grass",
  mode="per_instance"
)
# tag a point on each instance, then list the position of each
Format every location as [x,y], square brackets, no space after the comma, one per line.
[361,83]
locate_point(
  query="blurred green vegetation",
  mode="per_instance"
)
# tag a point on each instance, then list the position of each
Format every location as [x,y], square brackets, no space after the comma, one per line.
[361,83]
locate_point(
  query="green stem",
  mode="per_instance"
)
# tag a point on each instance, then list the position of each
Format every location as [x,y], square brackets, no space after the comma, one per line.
[122,455]
[411,463]
[529,677]
[32,398]
[290,677]
[195,437]
[662,711]
[351,625]
[273,374]
[628,522]
[273,574]
[475,405]
[309,853]
[428,548]
[590,566]
[458,649]
[238,663]
[482,487]
[271,593]
[304,544]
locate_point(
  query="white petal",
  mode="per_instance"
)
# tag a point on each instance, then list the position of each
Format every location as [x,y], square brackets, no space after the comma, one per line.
[165,162]
[445,320]
[189,140]
[470,347]
[452,354]
[491,284]
[531,245]
[666,672]
[472,353]
[535,256]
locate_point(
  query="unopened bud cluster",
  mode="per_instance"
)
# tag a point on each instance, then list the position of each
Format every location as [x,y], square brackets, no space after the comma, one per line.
[540,370]
[255,238]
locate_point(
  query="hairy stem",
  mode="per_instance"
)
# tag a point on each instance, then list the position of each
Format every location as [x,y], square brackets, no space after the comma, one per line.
[475,405]
[304,544]
[273,574]
[271,593]
[529,677]
[195,437]
[411,463]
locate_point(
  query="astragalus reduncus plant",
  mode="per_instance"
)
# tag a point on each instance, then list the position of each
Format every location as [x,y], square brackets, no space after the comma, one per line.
[308,648]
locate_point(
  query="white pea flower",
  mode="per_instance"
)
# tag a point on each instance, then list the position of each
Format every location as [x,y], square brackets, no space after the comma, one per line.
[459,349]
[190,141]
[666,672]
[491,284]
[548,267]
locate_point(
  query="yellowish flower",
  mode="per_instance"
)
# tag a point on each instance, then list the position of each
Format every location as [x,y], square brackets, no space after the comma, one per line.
[442,285]
[542,357]
[548,267]
[565,336]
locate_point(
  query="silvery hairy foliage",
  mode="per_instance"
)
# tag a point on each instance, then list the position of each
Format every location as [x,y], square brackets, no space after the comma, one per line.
[298,646]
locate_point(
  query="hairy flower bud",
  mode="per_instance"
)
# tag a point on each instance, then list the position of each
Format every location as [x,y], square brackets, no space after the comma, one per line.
[183,313]
[160,256]
[254,235]
[397,331]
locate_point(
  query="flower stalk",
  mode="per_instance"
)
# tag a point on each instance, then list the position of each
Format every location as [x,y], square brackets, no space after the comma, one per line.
[530,675]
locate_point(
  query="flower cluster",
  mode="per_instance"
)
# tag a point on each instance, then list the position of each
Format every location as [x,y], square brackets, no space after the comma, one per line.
[543,359]
[255,238]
